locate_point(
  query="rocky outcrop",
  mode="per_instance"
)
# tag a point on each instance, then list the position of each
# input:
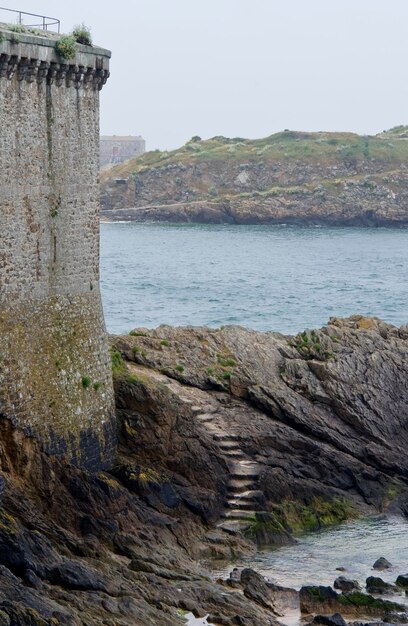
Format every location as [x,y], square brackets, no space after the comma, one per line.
[79,549]
[268,417]
[290,177]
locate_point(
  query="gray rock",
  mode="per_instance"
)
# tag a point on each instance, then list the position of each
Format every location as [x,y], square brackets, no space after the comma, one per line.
[75,575]
[235,575]
[378,585]
[346,584]
[256,588]
[402,581]
[395,618]
[329,620]
[382,563]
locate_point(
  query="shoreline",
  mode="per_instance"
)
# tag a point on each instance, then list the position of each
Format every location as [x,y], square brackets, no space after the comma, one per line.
[301,224]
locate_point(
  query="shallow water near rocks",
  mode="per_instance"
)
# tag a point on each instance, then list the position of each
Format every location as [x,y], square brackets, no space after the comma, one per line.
[314,559]
[263,277]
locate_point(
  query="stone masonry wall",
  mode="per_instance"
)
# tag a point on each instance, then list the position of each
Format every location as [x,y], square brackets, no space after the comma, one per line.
[55,372]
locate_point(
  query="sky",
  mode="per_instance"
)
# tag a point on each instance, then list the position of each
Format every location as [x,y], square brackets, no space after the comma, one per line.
[244,68]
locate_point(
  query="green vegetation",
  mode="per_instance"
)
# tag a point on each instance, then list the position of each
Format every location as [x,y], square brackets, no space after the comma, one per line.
[66,47]
[164,342]
[8,525]
[97,386]
[132,379]
[297,518]
[86,382]
[137,333]
[82,34]
[309,345]
[226,361]
[118,365]
[179,368]
[358,599]
[322,147]
[16,28]
[148,475]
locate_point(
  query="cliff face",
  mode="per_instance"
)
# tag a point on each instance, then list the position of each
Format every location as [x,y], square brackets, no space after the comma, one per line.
[222,432]
[290,177]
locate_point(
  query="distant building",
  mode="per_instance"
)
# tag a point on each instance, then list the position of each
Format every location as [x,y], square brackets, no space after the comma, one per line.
[116,149]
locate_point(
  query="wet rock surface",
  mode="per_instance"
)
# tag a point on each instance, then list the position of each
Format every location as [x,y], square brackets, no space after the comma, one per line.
[375,584]
[346,584]
[382,564]
[329,620]
[315,599]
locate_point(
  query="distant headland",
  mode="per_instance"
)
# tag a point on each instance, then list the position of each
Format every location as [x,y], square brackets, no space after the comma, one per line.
[290,177]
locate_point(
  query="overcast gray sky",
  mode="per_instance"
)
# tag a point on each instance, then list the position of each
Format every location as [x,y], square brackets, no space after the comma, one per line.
[245,68]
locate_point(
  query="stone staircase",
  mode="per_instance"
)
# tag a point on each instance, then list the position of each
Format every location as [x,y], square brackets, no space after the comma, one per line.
[244,497]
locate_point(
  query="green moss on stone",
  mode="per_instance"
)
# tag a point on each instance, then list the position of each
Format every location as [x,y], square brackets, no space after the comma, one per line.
[298,518]
[359,599]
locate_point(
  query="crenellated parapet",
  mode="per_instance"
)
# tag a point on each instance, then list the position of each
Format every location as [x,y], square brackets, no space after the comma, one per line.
[21,55]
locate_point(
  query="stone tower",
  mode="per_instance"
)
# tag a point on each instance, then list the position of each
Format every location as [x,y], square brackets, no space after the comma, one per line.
[55,371]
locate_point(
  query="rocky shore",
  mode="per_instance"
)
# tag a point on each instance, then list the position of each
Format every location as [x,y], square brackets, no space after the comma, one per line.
[335,179]
[228,438]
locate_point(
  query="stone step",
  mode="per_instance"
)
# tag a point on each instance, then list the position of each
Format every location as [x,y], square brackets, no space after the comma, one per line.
[233,527]
[250,494]
[249,463]
[242,506]
[227,437]
[233,454]
[248,515]
[209,408]
[205,417]
[241,484]
[228,445]
[197,409]
[237,473]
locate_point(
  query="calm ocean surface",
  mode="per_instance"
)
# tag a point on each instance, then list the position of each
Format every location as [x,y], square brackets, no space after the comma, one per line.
[264,277]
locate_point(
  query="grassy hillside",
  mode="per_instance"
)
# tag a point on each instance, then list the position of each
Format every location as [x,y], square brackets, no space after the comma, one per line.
[388,146]
[290,176]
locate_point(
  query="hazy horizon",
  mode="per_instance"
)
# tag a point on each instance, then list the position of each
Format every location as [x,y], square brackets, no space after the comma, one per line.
[247,69]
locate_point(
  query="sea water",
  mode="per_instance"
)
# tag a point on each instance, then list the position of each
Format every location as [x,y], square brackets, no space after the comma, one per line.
[280,278]
[315,558]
